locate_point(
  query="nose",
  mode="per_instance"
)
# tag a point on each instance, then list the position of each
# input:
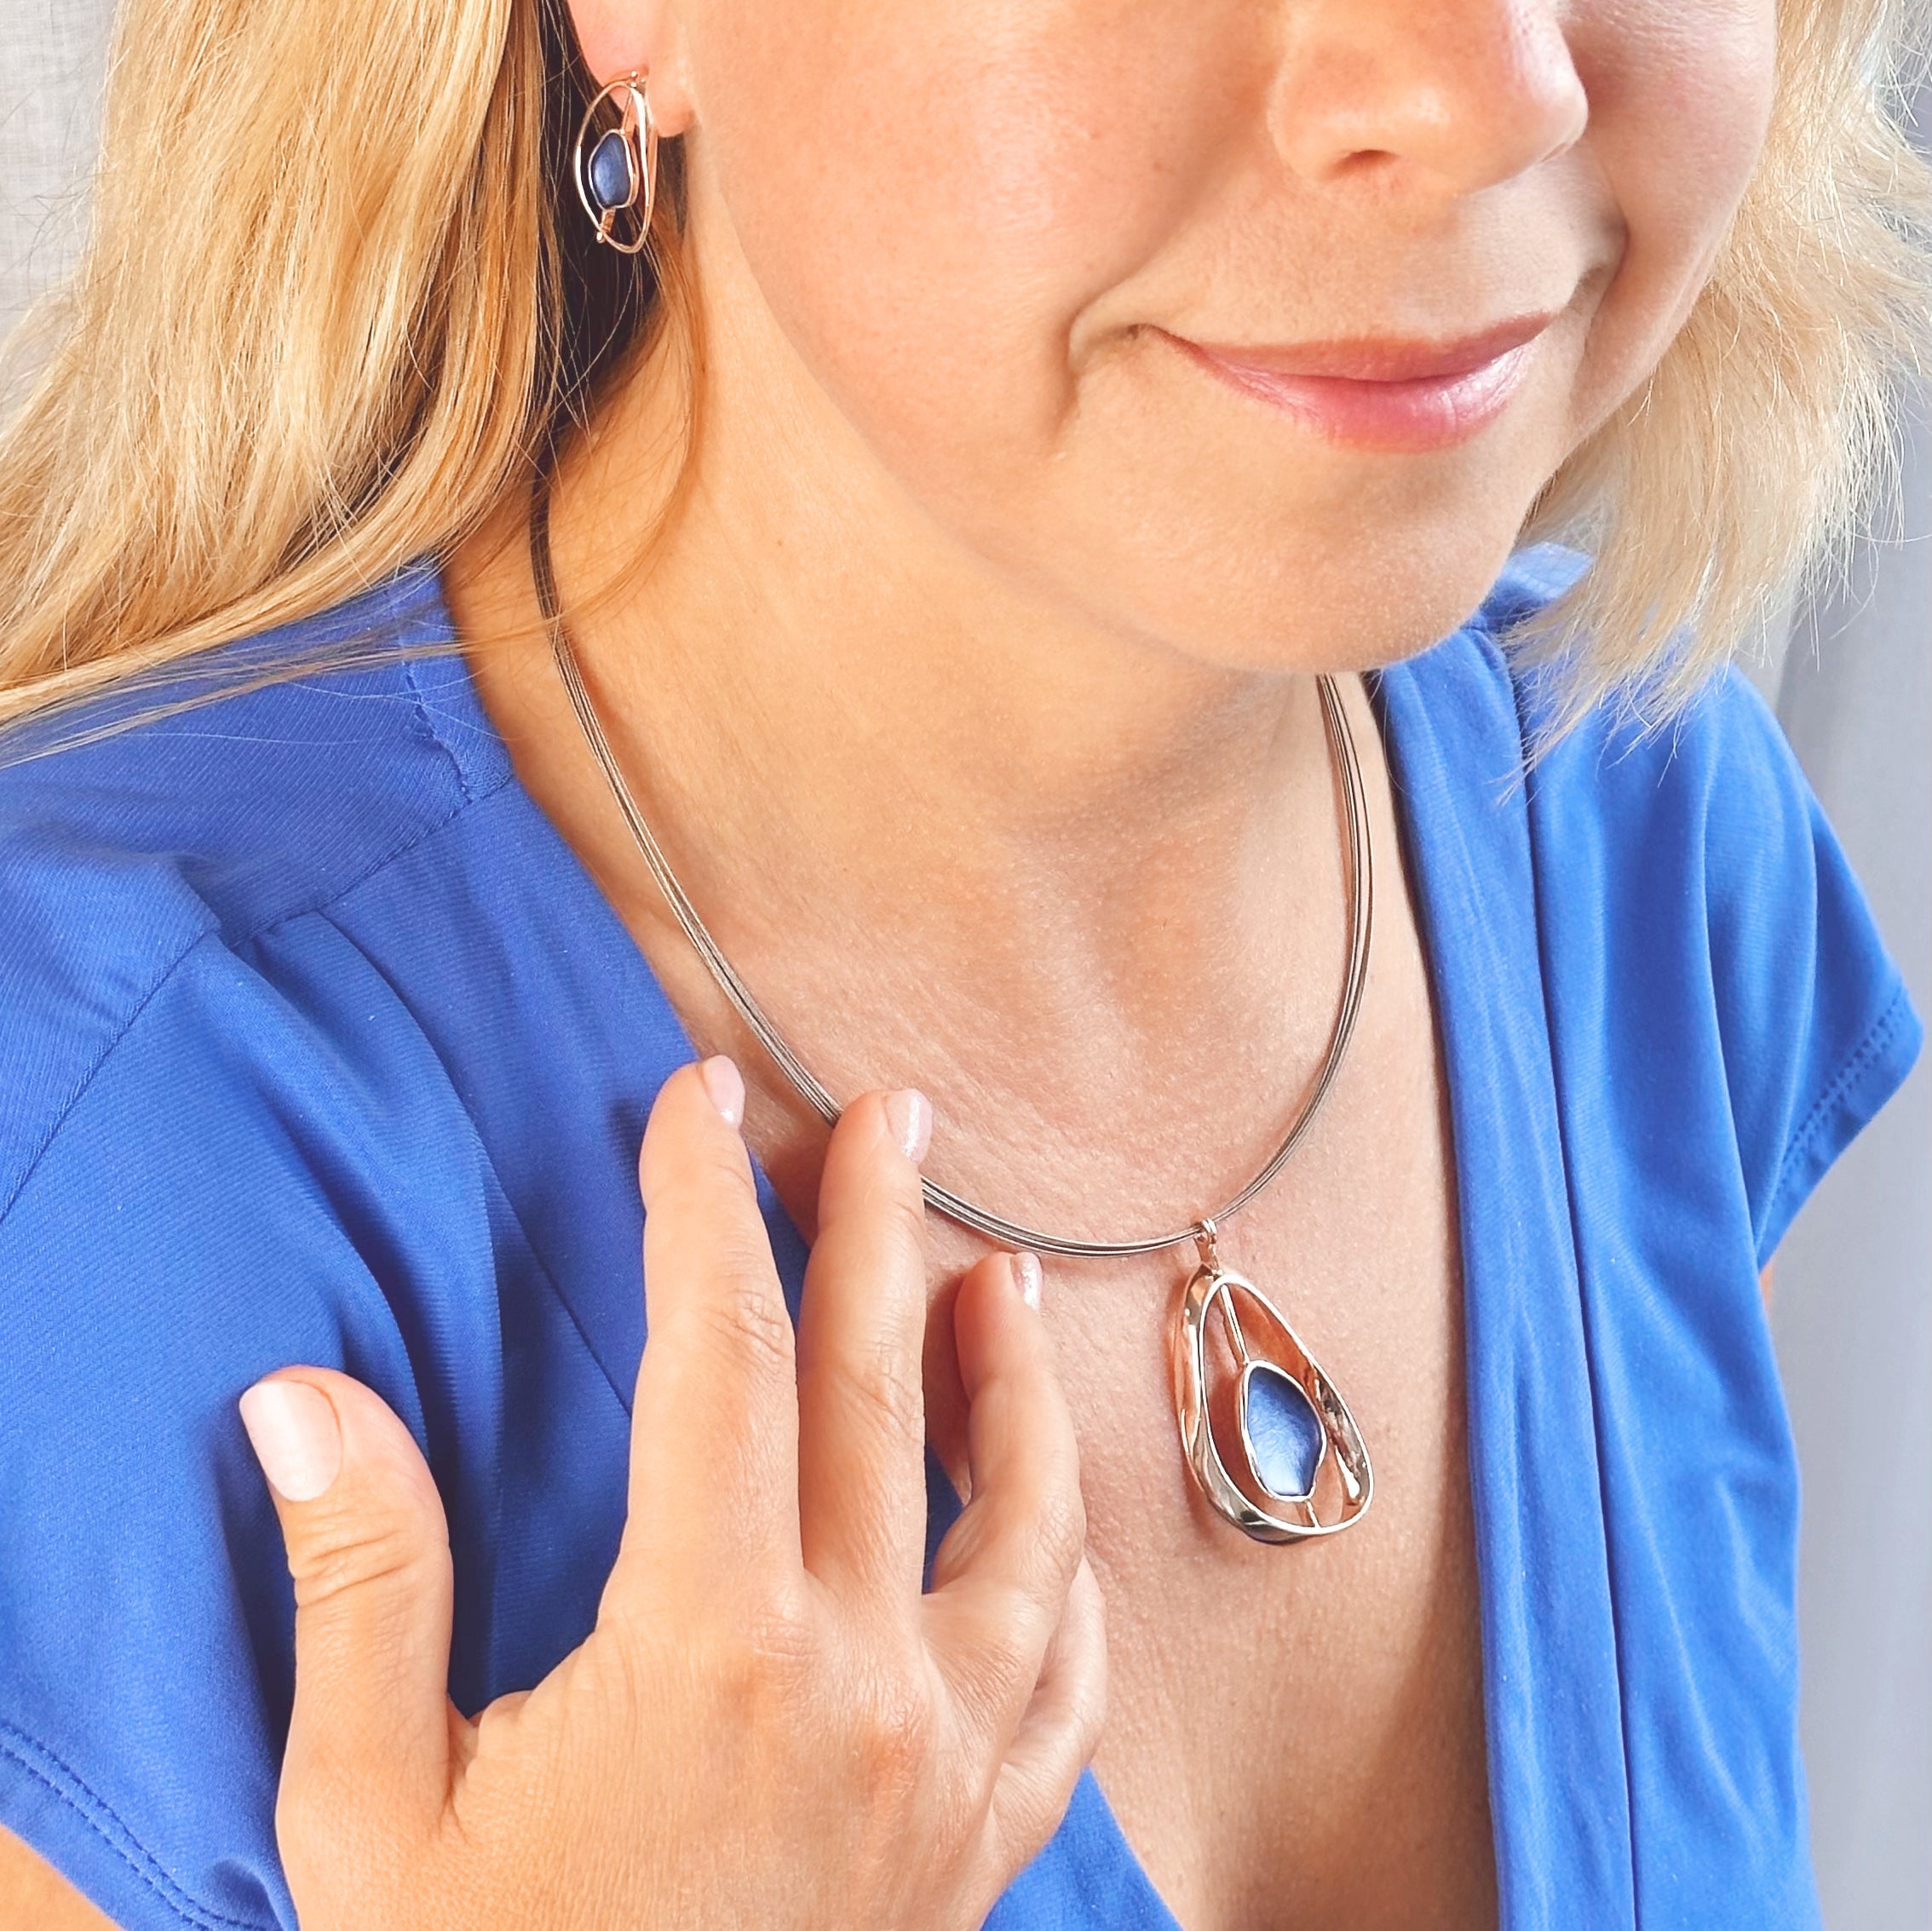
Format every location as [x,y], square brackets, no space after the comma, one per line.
[1457,95]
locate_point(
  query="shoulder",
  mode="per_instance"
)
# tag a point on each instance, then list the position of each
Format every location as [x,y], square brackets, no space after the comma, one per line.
[151,842]
[1694,903]
[225,1145]
[1717,778]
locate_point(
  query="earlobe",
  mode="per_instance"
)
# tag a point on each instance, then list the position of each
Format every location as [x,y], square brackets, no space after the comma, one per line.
[618,37]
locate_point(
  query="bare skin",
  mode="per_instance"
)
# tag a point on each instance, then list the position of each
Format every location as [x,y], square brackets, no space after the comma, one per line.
[997,653]
[970,690]
[1241,1818]
[36,1897]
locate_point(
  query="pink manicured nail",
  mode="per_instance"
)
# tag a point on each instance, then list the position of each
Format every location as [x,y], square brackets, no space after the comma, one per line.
[910,1115]
[296,1438]
[726,1086]
[1027,1277]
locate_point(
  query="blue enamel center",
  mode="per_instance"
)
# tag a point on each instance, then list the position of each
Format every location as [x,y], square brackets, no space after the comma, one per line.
[1282,1431]
[609,172]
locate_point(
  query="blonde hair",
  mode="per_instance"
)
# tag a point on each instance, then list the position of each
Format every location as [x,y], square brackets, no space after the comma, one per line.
[334,305]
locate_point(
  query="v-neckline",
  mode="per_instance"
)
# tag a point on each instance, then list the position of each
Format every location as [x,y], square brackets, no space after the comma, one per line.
[1453,744]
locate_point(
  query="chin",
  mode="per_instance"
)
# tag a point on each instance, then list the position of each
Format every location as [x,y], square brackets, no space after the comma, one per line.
[1340,602]
[1259,549]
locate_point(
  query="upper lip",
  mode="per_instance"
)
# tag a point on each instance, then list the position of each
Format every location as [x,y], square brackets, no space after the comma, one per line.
[1381,358]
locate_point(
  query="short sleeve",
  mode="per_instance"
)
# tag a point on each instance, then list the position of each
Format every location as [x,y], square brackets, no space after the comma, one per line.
[229,1191]
[1816,1028]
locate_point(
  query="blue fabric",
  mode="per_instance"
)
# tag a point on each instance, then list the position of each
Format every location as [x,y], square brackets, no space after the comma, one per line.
[318,1044]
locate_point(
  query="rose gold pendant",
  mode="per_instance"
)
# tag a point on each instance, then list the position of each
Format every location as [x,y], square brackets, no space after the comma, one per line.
[1271,1442]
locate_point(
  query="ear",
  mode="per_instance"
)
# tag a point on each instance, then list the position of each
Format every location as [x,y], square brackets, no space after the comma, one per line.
[623,36]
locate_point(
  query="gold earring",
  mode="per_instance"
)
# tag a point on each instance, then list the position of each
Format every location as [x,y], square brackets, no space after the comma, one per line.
[616,164]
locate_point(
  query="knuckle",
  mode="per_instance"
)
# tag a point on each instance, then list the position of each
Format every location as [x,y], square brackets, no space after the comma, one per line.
[1005,1659]
[758,1661]
[898,1738]
[878,1386]
[895,1731]
[692,1162]
[323,1829]
[887,1195]
[718,1164]
[744,1316]
[958,1815]
[1060,1536]
[630,1667]
[735,1678]
[1031,1808]
[780,1634]
[338,1553]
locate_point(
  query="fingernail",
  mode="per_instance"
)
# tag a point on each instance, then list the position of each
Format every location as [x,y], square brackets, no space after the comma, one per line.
[1027,1277]
[726,1086]
[296,1438]
[910,1115]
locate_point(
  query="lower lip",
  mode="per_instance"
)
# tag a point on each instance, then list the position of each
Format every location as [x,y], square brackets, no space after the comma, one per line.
[1427,412]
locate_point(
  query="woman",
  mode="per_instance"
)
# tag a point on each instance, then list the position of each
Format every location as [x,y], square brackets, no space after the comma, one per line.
[1049,546]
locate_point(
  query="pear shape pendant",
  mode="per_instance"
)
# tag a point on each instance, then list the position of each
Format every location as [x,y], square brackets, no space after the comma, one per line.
[1298,1466]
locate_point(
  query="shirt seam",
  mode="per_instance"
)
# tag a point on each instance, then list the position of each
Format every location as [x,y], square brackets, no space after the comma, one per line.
[505,781]
[434,736]
[92,1072]
[17,1746]
[334,896]
[1870,1045]
[337,893]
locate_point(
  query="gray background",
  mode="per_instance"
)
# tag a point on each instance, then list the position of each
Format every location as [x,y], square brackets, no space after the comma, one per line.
[1851,680]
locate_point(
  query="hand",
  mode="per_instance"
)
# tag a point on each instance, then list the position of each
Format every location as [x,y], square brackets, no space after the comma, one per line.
[770,1726]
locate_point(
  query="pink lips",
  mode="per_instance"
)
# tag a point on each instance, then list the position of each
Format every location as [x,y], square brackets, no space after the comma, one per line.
[1384,393]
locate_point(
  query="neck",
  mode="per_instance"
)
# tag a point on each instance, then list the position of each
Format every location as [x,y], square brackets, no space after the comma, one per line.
[1061,843]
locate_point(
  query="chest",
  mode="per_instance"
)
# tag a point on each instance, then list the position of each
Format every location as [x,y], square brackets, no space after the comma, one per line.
[1295,1734]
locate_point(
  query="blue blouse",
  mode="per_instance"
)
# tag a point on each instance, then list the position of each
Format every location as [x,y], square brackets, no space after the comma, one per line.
[318,1044]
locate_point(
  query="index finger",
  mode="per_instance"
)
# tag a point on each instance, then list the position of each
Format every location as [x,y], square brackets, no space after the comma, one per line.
[714,1431]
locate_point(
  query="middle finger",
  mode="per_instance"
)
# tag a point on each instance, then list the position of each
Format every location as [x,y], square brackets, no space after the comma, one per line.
[861,1332]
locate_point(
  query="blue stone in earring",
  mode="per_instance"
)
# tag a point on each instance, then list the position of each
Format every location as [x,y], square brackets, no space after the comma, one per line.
[611,174]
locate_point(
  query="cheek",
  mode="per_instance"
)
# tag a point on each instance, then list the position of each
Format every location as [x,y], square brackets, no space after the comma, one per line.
[1680,99]
[938,202]
[926,196]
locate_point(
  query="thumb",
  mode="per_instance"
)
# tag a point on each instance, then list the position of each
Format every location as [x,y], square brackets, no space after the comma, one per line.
[368,1548]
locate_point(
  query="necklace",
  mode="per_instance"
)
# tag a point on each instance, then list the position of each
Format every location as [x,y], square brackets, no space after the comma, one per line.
[1271,1443]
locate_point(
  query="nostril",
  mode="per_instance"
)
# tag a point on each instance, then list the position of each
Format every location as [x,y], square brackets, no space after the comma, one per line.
[1460,95]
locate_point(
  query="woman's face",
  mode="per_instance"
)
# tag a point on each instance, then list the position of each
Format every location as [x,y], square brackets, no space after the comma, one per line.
[1255,326]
